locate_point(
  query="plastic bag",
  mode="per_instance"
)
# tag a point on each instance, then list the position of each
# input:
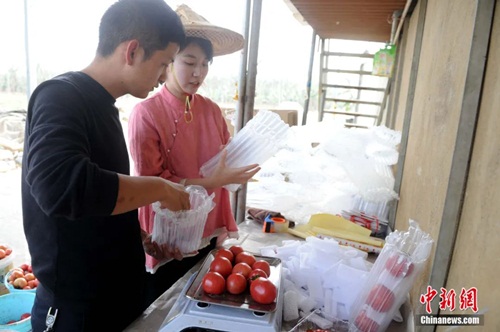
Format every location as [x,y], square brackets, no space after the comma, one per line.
[383,61]
[401,261]
[183,229]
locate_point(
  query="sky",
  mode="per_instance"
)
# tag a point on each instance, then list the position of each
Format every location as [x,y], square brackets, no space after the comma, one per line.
[63,35]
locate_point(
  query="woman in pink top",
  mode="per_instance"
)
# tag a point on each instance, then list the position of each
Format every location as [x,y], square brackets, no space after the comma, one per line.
[175,131]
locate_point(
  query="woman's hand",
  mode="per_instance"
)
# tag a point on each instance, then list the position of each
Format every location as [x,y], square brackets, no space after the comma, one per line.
[224,175]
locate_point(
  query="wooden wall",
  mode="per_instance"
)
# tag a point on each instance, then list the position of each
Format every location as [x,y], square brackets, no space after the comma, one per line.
[476,256]
[401,85]
[449,171]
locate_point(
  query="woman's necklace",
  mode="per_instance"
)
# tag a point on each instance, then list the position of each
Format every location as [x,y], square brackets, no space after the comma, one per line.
[188,114]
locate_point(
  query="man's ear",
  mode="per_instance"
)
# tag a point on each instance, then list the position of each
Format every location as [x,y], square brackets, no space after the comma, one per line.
[131,54]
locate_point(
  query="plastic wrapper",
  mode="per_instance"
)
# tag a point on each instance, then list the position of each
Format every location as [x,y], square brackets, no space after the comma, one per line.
[256,142]
[183,229]
[317,321]
[400,262]
[386,136]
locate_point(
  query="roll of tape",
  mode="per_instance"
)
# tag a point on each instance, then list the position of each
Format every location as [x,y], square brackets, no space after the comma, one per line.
[280,224]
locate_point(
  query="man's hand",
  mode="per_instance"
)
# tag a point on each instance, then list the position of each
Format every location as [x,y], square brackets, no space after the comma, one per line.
[176,198]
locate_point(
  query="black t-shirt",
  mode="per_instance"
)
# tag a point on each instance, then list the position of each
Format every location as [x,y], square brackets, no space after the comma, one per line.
[74,148]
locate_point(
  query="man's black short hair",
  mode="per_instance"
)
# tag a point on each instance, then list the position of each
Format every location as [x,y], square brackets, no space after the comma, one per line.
[152,22]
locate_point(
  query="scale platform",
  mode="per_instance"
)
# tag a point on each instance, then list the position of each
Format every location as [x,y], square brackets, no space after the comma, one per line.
[188,314]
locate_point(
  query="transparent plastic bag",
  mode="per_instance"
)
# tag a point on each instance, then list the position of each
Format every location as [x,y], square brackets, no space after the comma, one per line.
[183,229]
[401,261]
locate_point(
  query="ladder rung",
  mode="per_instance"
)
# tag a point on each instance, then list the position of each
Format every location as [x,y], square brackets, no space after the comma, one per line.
[353,87]
[343,71]
[366,115]
[337,100]
[354,125]
[352,55]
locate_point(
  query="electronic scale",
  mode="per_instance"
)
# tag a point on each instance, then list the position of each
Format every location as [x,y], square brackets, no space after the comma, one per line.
[193,311]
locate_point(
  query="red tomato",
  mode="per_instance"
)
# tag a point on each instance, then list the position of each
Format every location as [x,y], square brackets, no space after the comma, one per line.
[236,283]
[20,283]
[263,291]
[263,265]
[257,273]
[242,268]
[29,276]
[245,257]
[15,274]
[213,283]
[222,265]
[236,249]
[380,298]
[365,323]
[25,315]
[399,265]
[225,253]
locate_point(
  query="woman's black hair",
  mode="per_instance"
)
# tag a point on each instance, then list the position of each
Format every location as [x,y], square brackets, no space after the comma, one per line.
[205,45]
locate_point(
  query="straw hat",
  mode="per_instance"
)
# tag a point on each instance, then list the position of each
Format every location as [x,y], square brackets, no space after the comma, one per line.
[224,41]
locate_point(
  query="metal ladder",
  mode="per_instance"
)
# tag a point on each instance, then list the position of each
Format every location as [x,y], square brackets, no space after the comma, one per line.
[348,90]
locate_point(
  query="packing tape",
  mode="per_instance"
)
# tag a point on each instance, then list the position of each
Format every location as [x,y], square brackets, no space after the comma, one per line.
[280,224]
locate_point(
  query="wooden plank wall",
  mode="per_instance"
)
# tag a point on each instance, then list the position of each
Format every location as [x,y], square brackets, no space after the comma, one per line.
[441,87]
[476,259]
[434,119]
[401,86]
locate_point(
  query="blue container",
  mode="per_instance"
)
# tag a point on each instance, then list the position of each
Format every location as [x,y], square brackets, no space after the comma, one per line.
[12,306]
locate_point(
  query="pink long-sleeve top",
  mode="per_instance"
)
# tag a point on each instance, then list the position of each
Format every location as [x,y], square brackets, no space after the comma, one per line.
[162,143]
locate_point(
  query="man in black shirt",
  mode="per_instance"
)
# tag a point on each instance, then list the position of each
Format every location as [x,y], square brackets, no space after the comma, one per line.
[79,202]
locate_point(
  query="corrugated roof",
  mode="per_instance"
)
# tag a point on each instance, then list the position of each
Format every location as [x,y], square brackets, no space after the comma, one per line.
[367,20]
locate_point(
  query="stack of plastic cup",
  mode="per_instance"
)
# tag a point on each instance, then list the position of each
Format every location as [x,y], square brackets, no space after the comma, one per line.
[256,142]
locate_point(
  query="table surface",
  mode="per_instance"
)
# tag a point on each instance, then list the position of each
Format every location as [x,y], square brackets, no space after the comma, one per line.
[252,239]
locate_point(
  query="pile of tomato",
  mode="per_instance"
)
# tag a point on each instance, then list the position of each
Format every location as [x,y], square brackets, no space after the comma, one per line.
[4,251]
[22,277]
[23,317]
[237,271]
